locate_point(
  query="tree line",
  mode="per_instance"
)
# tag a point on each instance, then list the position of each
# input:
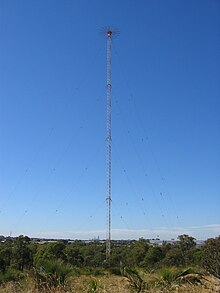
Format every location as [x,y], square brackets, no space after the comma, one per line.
[22,253]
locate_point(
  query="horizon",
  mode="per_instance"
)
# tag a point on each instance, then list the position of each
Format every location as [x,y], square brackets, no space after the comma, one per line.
[163,234]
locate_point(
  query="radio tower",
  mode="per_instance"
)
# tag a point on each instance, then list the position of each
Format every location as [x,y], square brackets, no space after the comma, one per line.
[108,143]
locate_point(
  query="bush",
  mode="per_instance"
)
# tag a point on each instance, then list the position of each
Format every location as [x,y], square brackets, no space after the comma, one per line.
[136,282]
[53,273]
[211,256]
[168,275]
[93,286]
[115,271]
[11,275]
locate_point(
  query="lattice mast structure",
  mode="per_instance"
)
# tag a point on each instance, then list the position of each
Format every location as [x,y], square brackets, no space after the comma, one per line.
[108,142]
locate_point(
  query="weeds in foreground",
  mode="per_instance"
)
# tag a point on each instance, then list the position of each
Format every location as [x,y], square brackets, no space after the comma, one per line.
[165,279]
[110,284]
[93,286]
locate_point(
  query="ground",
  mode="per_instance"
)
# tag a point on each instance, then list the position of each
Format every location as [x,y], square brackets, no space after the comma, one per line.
[110,284]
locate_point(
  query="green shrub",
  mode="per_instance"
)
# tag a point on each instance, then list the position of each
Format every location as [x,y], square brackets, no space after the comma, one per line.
[135,279]
[53,273]
[211,256]
[172,275]
[93,286]
[115,271]
[168,275]
[11,275]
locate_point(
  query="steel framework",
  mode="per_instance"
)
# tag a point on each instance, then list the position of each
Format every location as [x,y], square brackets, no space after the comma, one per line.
[108,143]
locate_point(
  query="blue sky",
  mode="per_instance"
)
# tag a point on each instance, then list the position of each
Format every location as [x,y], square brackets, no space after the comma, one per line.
[165,118]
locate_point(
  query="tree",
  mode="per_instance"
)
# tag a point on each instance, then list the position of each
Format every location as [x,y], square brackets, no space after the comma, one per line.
[119,255]
[55,250]
[211,256]
[93,254]
[181,253]
[6,253]
[153,256]
[186,242]
[21,252]
[137,252]
[73,255]
[187,247]
[174,256]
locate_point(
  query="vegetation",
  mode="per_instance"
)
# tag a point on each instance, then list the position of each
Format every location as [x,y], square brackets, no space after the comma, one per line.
[140,266]
[211,256]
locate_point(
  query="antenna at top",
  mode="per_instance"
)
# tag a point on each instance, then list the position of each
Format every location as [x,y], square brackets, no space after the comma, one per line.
[110,32]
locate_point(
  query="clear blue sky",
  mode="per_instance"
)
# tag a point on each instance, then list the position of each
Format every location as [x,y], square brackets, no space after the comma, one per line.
[165,118]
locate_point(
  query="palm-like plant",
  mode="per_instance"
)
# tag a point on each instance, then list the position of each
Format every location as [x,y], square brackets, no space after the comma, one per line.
[53,273]
[136,281]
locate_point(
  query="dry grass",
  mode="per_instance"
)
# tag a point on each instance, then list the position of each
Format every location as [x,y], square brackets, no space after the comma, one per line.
[107,283]
[110,284]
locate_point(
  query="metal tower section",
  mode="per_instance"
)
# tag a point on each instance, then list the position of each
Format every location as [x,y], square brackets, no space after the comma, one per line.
[108,143]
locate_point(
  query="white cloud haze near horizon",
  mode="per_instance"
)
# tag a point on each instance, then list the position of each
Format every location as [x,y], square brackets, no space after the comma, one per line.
[163,233]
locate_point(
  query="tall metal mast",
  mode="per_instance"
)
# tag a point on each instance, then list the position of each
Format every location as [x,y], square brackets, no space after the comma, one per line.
[108,144]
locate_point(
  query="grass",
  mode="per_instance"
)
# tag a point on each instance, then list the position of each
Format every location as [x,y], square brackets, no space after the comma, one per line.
[93,286]
[110,283]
